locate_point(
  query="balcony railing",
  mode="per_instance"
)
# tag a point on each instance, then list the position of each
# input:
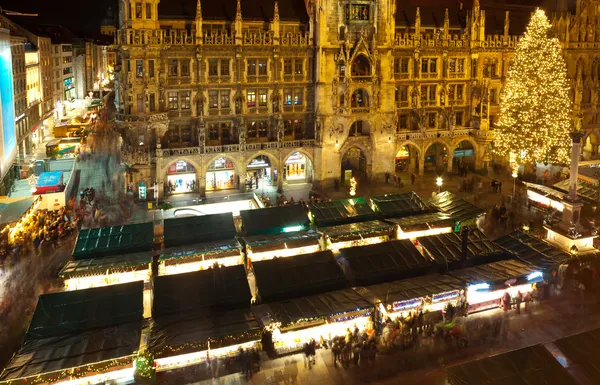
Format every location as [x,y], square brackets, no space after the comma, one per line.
[158,117]
[197,150]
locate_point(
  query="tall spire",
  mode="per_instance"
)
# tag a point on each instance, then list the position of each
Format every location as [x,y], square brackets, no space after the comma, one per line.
[276,12]
[198,10]
[446,24]
[418,24]
[238,11]
[275,23]
[198,22]
[506,25]
[238,23]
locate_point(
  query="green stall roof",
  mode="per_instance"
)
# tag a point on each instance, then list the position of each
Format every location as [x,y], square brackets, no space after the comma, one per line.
[11,212]
[353,231]
[263,243]
[458,208]
[341,212]
[423,221]
[107,265]
[72,311]
[201,251]
[197,229]
[114,240]
[399,205]
[274,220]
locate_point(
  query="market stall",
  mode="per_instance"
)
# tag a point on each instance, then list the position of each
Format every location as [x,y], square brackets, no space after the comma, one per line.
[487,284]
[427,293]
[340,212]
[382,262]
[284,278]
[49,182]
[533,250]
[459,209]
[106,271]
[294,322]
[355,234]
[449,252]
[200,256]
[531,365]
[399,205]
[274,220]
[114,240]
[198,229]
[264,247]
[15,214]
[81,337]
[423,225]
[545,197]
[201,315]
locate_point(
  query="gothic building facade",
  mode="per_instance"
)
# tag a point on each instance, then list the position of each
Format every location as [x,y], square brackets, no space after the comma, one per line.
[211,94]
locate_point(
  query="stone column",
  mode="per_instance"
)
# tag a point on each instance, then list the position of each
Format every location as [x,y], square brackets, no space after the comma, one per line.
[450,162]
[280,175]
[201,181]
[422,165]
[242,179]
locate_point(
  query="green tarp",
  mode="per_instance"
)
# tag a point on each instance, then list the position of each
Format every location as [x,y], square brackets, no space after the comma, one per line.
[198,229]
[399,205]
[106,241]
[73,311]
[106,265]
[274,220]
[341,212]
[358,230]
[458,208]
[13,211]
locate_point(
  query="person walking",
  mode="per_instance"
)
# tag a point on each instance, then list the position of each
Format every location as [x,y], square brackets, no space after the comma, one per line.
[518,300]
[336,353]
[412,178]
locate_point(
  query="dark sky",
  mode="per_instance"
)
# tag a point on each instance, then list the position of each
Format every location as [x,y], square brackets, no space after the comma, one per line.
[79,15]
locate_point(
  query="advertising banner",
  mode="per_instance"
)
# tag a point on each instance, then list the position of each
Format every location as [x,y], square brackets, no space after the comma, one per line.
[9,140]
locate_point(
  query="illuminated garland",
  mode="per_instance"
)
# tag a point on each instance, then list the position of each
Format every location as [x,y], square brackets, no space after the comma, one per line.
[145,367]
[72,373]
[215,343]
[535,109]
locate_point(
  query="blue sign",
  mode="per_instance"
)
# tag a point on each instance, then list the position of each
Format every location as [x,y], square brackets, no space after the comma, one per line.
[142,191]
[461,153]
[7,98]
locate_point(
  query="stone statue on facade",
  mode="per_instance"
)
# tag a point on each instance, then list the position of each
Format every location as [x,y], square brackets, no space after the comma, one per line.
[200,104]
[242,135]
[201,132]
[275,102]
[280,132]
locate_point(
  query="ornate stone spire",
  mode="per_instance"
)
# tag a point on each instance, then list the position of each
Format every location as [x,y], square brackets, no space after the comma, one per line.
[238,23]
[418,24]
[276,12]
[446,24]
[275,23]
[506,25]
[198,20]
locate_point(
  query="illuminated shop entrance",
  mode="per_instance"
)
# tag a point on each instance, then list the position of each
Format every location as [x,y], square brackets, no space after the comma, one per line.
[464,154]
[406,159]
[181,178]
[259,173]
[354,164]
[221,175]
[297,169]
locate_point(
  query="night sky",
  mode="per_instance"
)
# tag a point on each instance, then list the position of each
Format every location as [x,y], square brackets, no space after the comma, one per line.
[78,15]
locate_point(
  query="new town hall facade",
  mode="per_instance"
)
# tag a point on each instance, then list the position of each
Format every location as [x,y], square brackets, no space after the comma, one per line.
[212,94]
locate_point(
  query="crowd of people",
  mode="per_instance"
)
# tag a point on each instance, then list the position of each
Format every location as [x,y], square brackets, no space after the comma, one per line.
[355,347]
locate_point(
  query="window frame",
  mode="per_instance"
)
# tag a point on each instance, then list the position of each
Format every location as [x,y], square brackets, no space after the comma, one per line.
[251,98]
[173,100]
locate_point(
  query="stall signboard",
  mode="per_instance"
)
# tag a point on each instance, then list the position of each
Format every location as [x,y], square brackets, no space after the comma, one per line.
[142,191]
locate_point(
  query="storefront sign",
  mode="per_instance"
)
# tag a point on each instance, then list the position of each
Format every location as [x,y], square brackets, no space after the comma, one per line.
[255,163]
[461,153]
[142,191]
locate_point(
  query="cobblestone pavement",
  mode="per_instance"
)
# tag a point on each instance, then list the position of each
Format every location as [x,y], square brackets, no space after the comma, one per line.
[425,363]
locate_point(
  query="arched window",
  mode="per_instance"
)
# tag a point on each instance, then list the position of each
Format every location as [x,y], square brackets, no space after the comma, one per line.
[360,98]
[361,66]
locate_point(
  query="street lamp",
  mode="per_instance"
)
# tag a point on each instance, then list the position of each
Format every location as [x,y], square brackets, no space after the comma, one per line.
[439,182]
[514,175]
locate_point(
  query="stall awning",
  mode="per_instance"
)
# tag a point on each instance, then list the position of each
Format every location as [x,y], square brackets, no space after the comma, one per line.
[215,288]
[50,178]
[423,222]
[447,249]
[308,274]
[495,272]
[264,243]
[51,355]
[582,352]
[179,334]
[532,250]
[274,220]
[358,230]
[383,262]
[458,208]
[207,250]
[114,240]
[11,210]
[587,190]
[341,212]
[399,205]
[417,287]
[546,191]
[73,311]
[318,306]
[107,265]
[534,365]
[197,229]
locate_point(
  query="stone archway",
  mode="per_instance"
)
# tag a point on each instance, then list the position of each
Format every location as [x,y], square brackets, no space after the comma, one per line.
[297,168]
[464,154]
[262,171]
[354,164]
[407,157]
[222,172]
[590,146]
[360,128]
[435,156]
[181,176]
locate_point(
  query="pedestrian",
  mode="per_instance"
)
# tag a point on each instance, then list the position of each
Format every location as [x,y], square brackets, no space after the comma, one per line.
[387,177]
[412,178]
[306,351]
[518,300]
[336,353]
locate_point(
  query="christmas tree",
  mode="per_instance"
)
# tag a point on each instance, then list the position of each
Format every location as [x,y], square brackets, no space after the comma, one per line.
[535,108]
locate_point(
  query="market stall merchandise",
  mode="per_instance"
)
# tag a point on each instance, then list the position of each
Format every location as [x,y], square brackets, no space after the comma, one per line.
[201,256]
[546,197]
[15,214]
[583,352]
[531,365]
[355,234]
[399,205]
[106,271]
[201,314]
[264,247]
[487,284]
[340,212]
[449,252]
[294,322]
[85,336]
[427,293]
[198,229]
[459,209]
[114,240]
[423,225]
[274,220]
[285,278]
[382,262]
[533,250]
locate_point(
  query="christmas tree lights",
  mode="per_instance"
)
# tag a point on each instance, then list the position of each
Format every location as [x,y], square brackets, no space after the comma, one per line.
[535,109]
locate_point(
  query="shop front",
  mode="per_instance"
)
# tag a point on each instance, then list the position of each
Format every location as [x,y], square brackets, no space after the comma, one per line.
[221,175]
[402,159]
[181,178]
[355,234]
[259,173]
[202,256]
[297,169]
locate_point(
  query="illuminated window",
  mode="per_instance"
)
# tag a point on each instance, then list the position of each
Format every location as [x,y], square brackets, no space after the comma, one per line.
[172,101]
[139,68]
[262,67]
[251,94]
[148,11]
[262,98]
[224,98]
[213,99]
[298,96]
[185,100]
[287,97]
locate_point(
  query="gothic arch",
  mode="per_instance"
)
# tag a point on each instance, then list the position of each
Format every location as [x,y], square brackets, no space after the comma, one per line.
[361,65]
[305,153]
[409,143]
[272,158]
[360,98]
[349,144]
[174,159]
[434,141]
[236,165]
[458,141]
